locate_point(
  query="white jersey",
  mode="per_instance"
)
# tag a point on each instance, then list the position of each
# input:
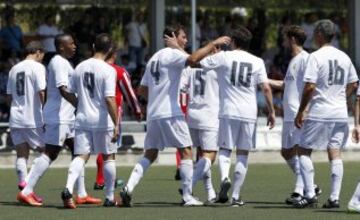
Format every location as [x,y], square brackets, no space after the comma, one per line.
[203,106]
[331,70]
[93,80]
[294,84]
[239,73]
[57,110]
[162,77]
[26,80]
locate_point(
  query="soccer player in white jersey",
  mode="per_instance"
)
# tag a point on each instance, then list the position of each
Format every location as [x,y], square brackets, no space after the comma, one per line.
[26,89]
[95,132]
[354,203]
[165,121]
[329,77]
[294,37]
[202,116]
[59,119]
[239,74]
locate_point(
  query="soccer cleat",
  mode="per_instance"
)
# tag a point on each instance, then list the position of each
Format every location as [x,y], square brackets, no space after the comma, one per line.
[224,188]
[36,197]
[210,202]
[353,207]
[125,197]
[192,202]
[68,199]
[331,204]
[108,203]
[87,200]
[29,199]
[306,203]
[237,202]
[98,186]
[318,190]
[177,175]
[21,185]
[294,197]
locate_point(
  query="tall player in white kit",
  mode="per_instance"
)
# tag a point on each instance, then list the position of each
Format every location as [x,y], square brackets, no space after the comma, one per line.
[329,78]
[95,132]
[26,90]
[165,121]
[239,74]
[294,38]
[59,118]
[202,116]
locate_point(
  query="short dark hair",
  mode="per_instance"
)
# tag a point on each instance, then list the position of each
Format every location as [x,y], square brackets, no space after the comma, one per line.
[241,37]
[103,43]
[59,39]
[296,32]
[113,50]
[173,29]
[33,47]
[327,29]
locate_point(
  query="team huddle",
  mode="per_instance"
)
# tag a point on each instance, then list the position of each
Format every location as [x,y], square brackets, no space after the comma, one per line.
[80,112]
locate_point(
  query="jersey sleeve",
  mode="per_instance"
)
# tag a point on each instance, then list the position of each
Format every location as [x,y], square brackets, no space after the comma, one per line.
[312,70]
[40,75]
[213,62]
[61,74]
[145,78]
[352,74]
[126,89]
[110,82]
[261,74]
[176,58]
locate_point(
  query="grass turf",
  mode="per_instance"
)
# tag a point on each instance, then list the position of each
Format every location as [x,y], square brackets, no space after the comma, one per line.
[156,196]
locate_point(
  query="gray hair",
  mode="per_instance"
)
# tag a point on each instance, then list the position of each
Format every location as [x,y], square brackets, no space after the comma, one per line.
[327,28]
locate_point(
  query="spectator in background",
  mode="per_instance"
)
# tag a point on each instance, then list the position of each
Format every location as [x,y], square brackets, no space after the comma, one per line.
[135,34]
[102,26]
[309,25]
[11,36]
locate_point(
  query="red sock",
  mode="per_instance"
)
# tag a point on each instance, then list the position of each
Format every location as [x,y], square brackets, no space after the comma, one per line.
[100,166]
[178,159]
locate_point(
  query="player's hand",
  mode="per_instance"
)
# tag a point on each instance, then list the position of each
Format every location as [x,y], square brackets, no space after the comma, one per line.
[299,120]
[271,120]
[139,116]
[356,135]
[116,135]
[225,40]
[171,41]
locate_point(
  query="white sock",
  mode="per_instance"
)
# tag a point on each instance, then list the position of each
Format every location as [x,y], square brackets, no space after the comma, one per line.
[337,171]
[224,163]
[186,173]
[202,166]
[38,168]
[294,164]
[76,167]
[239,174]
[209,188]
[80,184]
[21,168]
[137,173]
[110,176]
[307,172]
[355,199]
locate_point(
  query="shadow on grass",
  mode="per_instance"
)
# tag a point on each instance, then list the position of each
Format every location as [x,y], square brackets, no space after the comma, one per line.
[333,211]
[156,204]
[264,202]
[7,203]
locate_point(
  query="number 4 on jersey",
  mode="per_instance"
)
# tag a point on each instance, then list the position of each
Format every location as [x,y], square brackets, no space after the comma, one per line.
[154,70]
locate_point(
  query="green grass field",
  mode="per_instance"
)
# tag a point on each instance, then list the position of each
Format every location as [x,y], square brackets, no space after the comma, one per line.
[156,196]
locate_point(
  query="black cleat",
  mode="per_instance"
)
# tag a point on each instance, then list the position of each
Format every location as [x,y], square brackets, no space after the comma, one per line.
[223,194]
[125,197]
[237,202]
[306,203]
[99,186]
[108,203]
[177,175]
[331,204]
[294,197]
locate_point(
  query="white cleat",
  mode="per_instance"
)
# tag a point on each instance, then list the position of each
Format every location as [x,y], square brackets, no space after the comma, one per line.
[193,202]
[353,207]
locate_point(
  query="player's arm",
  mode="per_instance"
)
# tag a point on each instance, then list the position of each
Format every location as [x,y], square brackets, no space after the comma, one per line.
[111,106]
[308,91]
[276,84]
[68,96]
[42,97]
[266,90]
[143,92]
[350,88]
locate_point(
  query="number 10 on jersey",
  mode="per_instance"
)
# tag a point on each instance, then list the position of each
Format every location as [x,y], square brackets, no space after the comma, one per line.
[241,74]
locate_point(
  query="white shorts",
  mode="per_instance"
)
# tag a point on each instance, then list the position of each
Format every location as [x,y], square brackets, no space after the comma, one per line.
[290,135]
[323,135]
[206,139]
[56,134]
[33,136]
[236,133]
[167,132]
[94,142]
